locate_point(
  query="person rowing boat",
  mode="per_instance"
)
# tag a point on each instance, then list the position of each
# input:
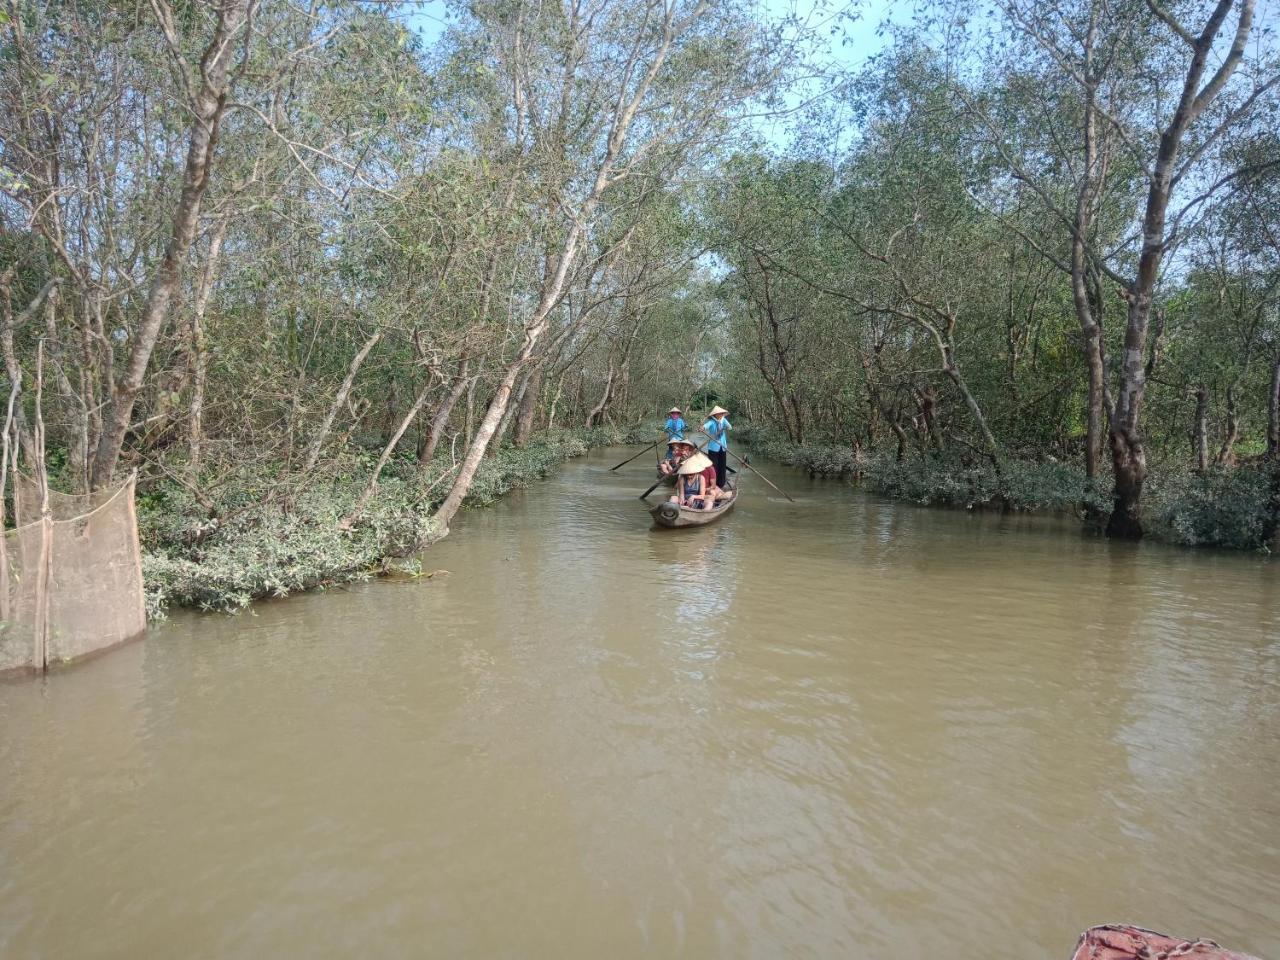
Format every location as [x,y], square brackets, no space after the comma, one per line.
[717,430]
[675,425]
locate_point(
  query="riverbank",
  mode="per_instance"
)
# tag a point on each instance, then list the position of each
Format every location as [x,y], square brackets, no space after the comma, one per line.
[255,534]
[1227,509]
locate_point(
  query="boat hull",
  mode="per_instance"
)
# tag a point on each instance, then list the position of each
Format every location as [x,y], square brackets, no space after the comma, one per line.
[668,514]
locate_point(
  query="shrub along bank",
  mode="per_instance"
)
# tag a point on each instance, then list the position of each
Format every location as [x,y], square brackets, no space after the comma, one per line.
[1232,509]
[221,544]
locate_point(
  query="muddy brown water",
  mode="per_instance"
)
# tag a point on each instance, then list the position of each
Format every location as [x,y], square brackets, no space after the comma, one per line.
[840,728]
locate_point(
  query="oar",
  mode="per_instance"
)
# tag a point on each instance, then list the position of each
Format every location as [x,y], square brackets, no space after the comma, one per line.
[629,459]
[753,470]
[651,489]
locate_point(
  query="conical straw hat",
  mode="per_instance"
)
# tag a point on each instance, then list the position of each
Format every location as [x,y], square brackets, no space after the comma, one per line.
[674,410]
[715,410]
[695,464]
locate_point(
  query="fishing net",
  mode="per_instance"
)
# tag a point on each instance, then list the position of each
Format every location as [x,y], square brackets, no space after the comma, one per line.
[71,580]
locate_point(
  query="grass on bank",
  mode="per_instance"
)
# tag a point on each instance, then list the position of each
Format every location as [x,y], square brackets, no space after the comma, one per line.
[262,535]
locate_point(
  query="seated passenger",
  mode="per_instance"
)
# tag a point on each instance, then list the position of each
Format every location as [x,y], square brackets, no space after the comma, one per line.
[692,490]
[678,451]
[715,492]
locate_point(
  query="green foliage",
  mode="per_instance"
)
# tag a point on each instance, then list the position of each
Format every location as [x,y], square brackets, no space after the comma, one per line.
[1217,509]
[640,433]
[820,459]
[254,538]
[1222,508]
[513,467]
[253,548]
[953,482]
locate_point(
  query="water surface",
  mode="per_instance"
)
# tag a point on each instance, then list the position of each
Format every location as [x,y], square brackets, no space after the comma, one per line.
[843,727]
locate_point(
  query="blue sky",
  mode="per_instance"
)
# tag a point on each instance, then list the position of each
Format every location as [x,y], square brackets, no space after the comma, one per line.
[852,32]
[852,43]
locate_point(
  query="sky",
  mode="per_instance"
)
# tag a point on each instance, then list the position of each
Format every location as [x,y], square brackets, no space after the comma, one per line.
[854,32]
[851,45]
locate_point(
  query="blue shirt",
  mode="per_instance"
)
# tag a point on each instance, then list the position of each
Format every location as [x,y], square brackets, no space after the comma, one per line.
[674,426]
[718,432]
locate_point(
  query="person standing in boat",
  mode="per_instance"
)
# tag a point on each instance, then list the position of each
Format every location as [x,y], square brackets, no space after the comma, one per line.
[675,428]
[675,425]
[717,429]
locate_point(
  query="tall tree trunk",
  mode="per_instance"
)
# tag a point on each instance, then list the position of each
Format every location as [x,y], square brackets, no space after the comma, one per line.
[528,406]
[534,329]
[207,105]
[372,486]
[1128,454]
[555,400]
[507,416]
[78,442]
[9,325]
[1090,320]
[1200,431]
[339,400]
[1273,411]
[1227,452]
[91,375]
[993,448]
[1271,526]
[1091,328]
[928,413]
[441,419]
[198,359]
[469,424]
[597,412]
[952,369]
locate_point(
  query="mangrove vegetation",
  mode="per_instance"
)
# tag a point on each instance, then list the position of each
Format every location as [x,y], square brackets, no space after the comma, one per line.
[324,273]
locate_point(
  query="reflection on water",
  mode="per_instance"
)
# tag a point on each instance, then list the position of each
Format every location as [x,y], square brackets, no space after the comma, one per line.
[836,727]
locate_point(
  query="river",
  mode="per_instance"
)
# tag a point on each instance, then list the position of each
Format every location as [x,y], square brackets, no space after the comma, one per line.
[843,727]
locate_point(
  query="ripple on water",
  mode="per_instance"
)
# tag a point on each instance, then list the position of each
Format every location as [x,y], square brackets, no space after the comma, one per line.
[836,727]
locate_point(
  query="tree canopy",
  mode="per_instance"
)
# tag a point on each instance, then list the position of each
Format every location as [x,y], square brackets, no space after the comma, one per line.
[238,231]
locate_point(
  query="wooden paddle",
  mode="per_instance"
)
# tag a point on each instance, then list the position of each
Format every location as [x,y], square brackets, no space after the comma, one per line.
[651,489]
[629,459]
[751,468]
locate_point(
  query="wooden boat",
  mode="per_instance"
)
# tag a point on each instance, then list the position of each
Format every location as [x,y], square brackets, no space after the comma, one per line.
[668,514]
[1118,941]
